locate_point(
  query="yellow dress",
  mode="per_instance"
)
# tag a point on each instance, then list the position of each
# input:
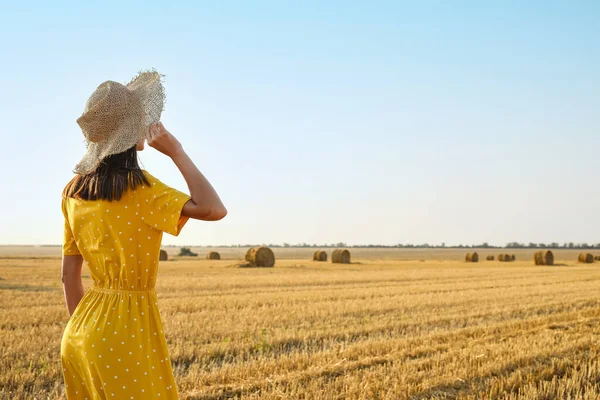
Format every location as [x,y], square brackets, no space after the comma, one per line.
[114,346]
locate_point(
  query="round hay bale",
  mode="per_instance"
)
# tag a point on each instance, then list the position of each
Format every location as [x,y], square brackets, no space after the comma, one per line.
[213,255]
[586,258]
[472,257]
[340,256]
[260,257]
[507,258]
[513,257]
[501,257]
[163,256]
[320,255]
[490,258]
[597,258]
[543,257]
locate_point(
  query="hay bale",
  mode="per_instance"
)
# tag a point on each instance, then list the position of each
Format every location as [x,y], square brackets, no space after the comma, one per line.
[163,256]
[597,258]
[586,258]
[538,258]
[213,255]
[490,258]
[501,257]
[472,257]
[513,257]
[320,255]
[543,257]
[340,256]
[260,257]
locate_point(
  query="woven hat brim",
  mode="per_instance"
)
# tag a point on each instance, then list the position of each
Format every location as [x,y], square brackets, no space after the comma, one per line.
[147,87]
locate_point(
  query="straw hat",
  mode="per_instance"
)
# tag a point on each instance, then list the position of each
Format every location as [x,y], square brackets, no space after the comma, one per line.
[117,116]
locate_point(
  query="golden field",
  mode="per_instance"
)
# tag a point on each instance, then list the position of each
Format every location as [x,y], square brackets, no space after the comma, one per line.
[394,324]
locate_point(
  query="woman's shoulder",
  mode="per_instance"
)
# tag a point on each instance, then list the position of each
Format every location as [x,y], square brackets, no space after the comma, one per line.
[158,188]
[153,180]
[151,186]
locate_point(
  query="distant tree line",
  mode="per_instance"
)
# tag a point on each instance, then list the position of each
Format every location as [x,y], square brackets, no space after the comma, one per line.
[485,245]
[553,245]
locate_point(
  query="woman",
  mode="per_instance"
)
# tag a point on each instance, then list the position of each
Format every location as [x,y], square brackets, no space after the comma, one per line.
[115,214]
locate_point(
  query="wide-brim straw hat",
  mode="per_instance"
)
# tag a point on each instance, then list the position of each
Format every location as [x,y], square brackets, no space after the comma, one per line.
[117,116]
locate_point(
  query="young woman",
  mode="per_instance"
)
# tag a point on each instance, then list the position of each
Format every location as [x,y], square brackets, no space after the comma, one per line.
[115,214]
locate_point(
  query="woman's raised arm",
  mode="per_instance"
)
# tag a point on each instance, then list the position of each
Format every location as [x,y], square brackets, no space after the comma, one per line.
[205,203]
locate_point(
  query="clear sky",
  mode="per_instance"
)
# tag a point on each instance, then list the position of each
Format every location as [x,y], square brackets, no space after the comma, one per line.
[363,122]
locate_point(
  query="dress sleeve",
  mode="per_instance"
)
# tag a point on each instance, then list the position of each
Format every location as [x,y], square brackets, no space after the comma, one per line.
[69,246]
[163,206]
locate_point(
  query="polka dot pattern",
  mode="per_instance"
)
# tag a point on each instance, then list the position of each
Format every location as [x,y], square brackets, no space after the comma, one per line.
[114,345]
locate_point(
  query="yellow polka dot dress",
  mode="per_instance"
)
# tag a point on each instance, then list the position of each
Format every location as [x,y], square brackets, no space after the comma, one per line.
[114,345]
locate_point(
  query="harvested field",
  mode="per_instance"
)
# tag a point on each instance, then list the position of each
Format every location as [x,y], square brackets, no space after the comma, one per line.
[415,328]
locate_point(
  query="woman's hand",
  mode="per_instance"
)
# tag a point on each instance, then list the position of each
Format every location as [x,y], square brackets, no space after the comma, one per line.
[162,140]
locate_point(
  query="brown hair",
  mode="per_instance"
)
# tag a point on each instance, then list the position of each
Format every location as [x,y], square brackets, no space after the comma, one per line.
[113,176]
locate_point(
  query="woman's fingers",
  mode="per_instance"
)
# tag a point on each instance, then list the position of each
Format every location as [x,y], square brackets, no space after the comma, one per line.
[159,128]
[152,132]
[149,134]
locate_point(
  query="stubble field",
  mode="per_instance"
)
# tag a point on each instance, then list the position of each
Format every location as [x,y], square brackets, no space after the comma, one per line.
[394,324]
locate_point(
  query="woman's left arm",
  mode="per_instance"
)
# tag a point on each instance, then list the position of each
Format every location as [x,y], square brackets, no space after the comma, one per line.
[71,278]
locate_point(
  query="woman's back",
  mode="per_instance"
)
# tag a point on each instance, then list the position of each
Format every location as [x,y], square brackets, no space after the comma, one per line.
[120,240]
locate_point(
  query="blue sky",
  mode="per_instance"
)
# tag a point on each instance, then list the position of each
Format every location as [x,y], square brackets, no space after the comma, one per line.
[366,122]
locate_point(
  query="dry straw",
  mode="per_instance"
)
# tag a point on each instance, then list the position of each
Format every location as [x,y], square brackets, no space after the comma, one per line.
[543,257]
[163,255]
[213,255]
[260,257]
[340,256]
[472,257]
[586,258]
[320,255]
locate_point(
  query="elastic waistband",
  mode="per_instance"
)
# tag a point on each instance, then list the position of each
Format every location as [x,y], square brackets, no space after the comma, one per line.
[109,290]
